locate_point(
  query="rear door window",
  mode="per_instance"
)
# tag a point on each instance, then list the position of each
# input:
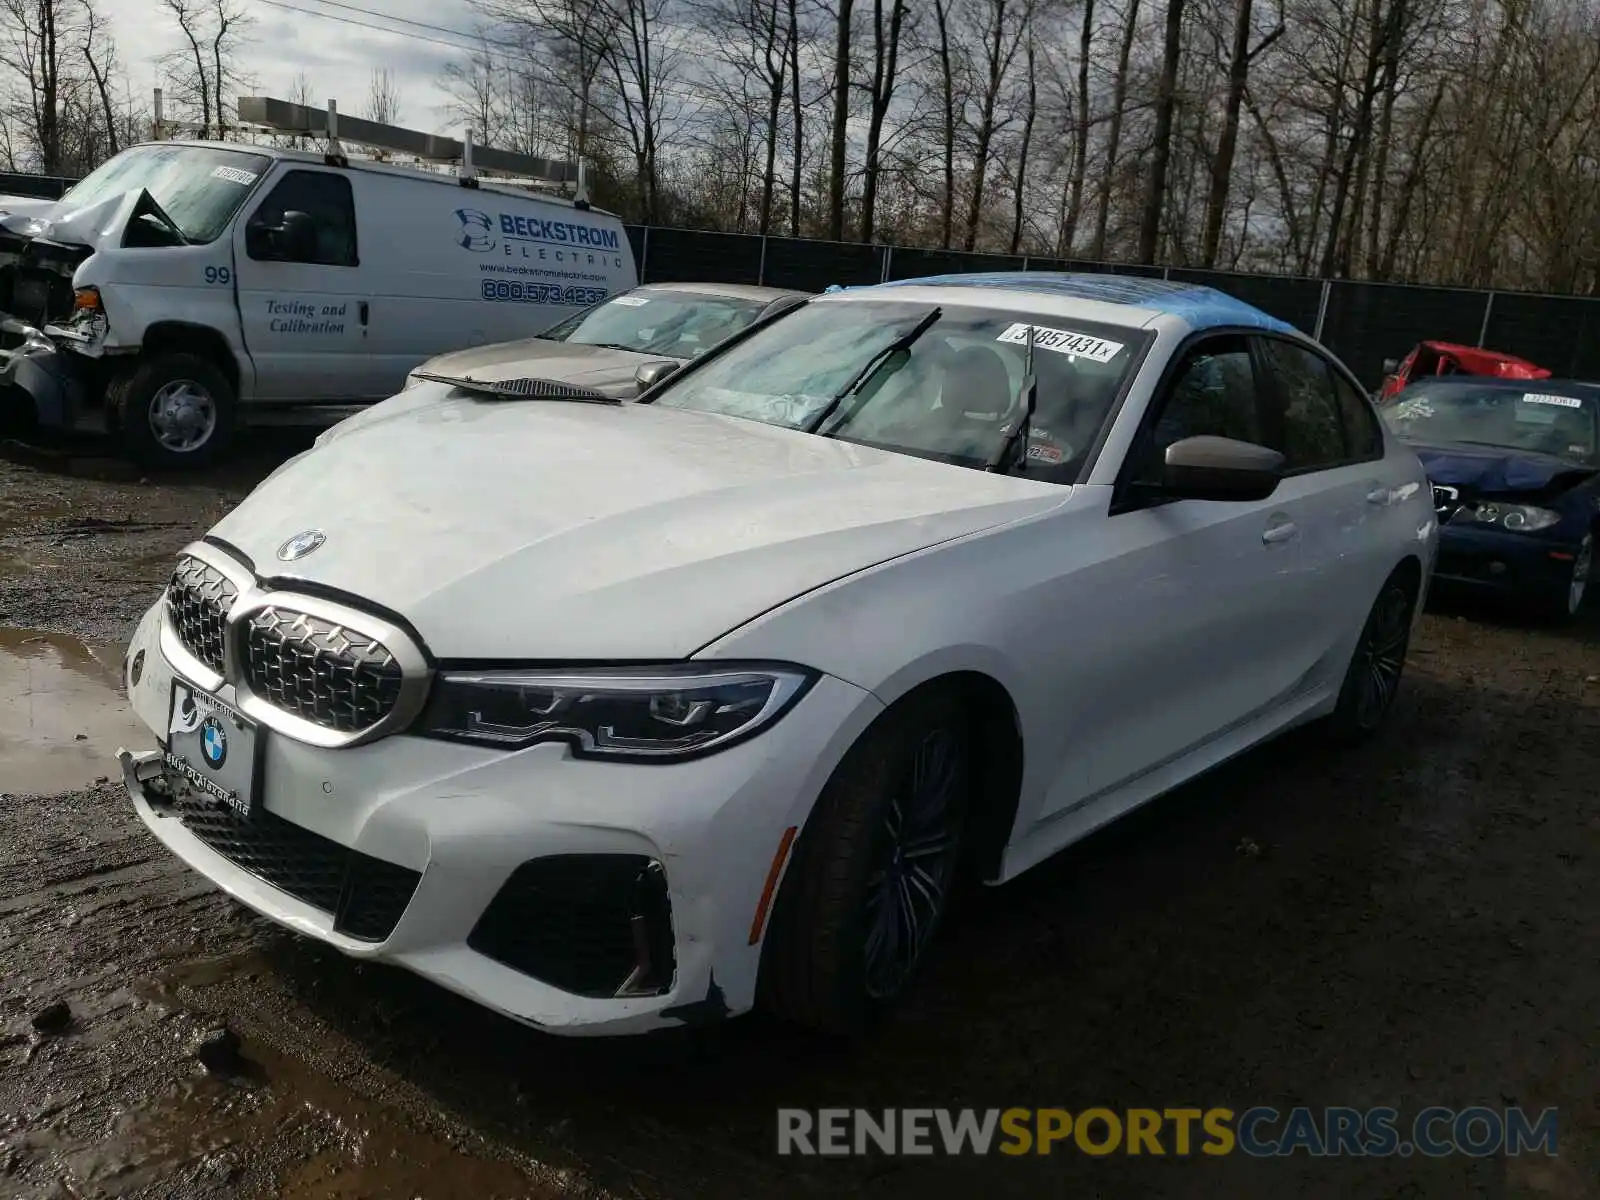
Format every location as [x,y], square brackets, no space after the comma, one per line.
[1309,427]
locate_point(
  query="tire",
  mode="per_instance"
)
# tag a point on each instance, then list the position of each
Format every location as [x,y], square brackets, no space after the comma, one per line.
[1560,607]
[1372,679]
[172,410]
[824,962]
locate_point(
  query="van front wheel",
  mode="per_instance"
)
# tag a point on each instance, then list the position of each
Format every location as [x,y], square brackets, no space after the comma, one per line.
[172,410]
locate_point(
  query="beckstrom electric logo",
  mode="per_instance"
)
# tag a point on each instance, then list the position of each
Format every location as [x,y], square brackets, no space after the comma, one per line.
[477,230]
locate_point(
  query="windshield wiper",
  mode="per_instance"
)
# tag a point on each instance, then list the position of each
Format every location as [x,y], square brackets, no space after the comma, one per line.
[520,389]
[1027,397]
[903,342]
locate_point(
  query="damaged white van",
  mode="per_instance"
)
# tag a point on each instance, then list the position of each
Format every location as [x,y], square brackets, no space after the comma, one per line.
[183,286]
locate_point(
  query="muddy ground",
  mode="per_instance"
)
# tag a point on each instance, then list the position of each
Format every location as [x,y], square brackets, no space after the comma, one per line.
[1414,923]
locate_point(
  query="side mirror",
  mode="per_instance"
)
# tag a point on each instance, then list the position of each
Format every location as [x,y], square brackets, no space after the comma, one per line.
[297,237]
[653,373]
[261,241]
[1218,468]
[1391,365]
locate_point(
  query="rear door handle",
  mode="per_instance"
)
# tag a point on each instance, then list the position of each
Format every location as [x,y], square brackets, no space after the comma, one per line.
[363,309]
[1281,532]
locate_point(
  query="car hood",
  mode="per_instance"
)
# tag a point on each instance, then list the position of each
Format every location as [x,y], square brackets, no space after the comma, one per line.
[23,214]
[1490,469]
[599,367]
[559,530]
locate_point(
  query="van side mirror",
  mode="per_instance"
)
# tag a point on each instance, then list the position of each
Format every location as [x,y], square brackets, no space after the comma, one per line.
[294,239]
[1391,365]
[653,373]
[260,241]
[1219,468]
[297,237]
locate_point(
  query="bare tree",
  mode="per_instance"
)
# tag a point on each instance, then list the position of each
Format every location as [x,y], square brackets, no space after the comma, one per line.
[1030,115]
[842,40]
[41,41]
[886,30]
[1161,150]
[1240,58]
[383,97]
[758,55]
[1119,103]
[796,117]
[472,86]
[642,66]
[203,74]
[189,76]
[1080,131]
[1005,24]
[99,51]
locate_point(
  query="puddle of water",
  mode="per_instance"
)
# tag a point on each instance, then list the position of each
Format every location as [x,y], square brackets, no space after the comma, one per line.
[62,712]
[320,1139]
[17,562]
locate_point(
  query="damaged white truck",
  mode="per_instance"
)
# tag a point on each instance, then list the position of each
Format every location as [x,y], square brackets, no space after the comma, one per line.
[183,288]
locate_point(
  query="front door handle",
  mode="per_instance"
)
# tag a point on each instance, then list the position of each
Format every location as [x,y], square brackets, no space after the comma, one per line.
[1381,496]
[1281,532]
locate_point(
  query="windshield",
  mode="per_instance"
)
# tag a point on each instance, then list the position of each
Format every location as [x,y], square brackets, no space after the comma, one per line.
[1542,420]
[951,395]
[658,321]
[199,188]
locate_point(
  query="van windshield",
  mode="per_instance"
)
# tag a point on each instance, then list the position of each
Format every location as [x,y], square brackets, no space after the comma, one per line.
[198,187]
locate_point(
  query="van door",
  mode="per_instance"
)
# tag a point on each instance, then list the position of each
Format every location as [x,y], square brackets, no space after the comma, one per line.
[303,294]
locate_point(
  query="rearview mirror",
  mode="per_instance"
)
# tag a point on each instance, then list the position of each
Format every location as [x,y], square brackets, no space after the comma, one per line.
[653,373]
[1391,365]
[1218,468]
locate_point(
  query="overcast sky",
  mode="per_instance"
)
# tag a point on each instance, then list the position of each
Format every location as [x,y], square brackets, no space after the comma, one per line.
[336,48]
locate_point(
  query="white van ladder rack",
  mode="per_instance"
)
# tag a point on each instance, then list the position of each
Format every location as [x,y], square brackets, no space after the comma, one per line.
[283,117]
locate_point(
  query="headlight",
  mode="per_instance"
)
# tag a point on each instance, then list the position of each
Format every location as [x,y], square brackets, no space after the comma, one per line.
[1519,518]
[631,713]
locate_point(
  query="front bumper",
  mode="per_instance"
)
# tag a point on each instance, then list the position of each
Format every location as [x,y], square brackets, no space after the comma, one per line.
[1504,563]
[459,823]
[34,370]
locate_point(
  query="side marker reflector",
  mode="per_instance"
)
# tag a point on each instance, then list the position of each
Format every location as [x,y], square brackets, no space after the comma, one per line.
[773,872]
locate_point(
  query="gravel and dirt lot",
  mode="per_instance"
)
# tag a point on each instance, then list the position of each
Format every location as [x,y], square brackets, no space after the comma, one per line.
[1409,924]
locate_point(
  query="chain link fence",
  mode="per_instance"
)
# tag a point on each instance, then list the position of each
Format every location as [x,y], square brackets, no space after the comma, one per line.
[1363,323]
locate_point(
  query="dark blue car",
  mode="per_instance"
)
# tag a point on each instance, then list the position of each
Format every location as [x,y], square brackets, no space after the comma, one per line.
[1515,468]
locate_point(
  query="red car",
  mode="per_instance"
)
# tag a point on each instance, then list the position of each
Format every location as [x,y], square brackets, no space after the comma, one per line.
[1446,358]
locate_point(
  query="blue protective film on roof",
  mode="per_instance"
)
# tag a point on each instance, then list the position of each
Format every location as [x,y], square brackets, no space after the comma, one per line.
[1201,307]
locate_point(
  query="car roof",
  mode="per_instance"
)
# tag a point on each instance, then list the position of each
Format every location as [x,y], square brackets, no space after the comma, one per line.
[740,291]
[1194,304]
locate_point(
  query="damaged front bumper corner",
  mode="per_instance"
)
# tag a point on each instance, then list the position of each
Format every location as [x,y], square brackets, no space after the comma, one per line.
[139,767]
[42,372]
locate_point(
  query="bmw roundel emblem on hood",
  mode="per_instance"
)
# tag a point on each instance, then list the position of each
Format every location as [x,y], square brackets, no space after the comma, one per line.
[301,544]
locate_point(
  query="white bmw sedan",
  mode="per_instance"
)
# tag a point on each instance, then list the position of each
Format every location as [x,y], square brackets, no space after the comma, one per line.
[613,717]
